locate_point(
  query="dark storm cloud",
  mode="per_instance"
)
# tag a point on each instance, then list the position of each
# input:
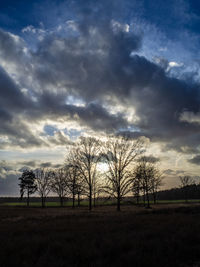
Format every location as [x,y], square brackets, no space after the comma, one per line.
[5,166]
[30,163]
[93,114]
[18,134]
[168,172]
[10,95]
[97,117]
[97,63]
[46,164]
[11,47]
[49,165]
[12,103]
[195,160]
[150,159]
[47,105]
[173,173]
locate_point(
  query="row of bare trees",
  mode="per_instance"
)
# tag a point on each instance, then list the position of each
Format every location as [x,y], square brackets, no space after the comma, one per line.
[185,183]
[147,180]
[126,171]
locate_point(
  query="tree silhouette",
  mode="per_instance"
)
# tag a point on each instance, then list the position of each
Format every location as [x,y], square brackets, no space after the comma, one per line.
[74,177]
[72,181]
[185,182]
[27,184]
[43,182]
[59,183]
[136,186]
[87,158]
[149,178]
[120,154]
[156,182]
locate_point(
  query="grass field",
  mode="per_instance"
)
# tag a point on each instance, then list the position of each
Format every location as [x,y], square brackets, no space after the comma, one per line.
[85,203]
[166,235]
[49,204]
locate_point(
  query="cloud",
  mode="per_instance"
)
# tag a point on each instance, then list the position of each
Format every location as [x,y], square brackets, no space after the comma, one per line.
[168,172]
[152,159]
[171,172]
[33,164]
[173,64]
[9,186]
[195,160]
[132,79]
[30,163]
[190,117]
[100,67]
[29,28]
[49,165]
[149,158]
[99,64]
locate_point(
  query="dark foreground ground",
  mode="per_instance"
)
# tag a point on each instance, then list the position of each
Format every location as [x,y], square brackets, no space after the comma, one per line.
[163,236]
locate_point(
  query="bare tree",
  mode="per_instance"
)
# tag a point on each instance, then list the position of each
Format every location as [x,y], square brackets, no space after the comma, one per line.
[185,182]
[136,187]
[59,183]
[98,188]
[139,181]
[148,178]
[72,180]
[197,182]
[156,182]
[120,154]
[74,176]
[43,182]
[87,157]
[80,191]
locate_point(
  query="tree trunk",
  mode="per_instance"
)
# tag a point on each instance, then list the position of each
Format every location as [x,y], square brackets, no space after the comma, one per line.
[118,204]
[186,195]
[118,201]
[61,201]
[28,198]
[79,202]
[154,197]
[73,200]
[144,200]
[90,198]
[94,201]
[43,201]
[147,195]
[137,199]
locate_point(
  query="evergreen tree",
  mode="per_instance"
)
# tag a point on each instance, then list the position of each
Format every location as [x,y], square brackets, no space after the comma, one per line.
[27,184]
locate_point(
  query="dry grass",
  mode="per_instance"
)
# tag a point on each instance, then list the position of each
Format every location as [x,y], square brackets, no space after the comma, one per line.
[163,236]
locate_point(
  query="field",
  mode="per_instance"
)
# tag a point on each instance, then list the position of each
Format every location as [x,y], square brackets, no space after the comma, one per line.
[85,203]
[166,235]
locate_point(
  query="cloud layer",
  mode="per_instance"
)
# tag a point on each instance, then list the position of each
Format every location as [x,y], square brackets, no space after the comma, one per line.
[89,71]
[83,72]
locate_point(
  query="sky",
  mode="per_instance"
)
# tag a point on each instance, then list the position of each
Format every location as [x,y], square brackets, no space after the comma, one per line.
[96,68]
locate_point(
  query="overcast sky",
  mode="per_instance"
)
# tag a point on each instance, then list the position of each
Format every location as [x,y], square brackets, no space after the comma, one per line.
[72,68]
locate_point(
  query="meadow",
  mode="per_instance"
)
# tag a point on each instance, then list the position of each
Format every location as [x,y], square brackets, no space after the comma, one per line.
[98,203]
[165,235]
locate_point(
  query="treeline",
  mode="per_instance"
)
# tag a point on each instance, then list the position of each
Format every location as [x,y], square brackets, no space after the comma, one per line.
[193,192]
[115,168]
